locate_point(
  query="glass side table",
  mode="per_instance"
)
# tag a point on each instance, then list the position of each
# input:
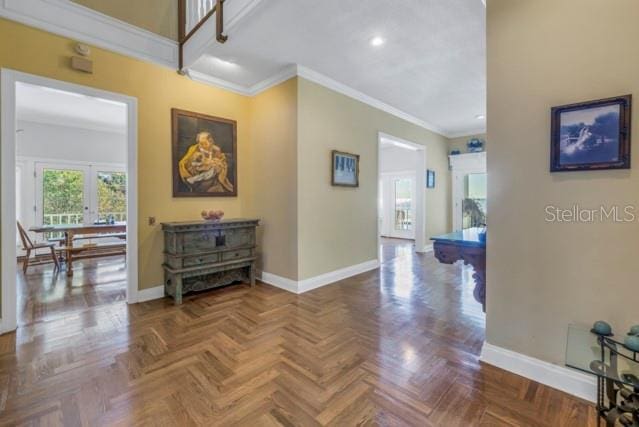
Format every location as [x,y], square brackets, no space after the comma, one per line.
[617,372]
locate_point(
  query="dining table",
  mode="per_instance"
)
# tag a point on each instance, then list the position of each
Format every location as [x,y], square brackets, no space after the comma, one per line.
[70,231]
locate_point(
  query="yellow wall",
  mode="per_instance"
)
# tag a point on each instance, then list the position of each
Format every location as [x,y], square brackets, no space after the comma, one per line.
[337,226]
[460,143]
[274,174]
[284,140]
[543,276]
[158,16]
[157,89]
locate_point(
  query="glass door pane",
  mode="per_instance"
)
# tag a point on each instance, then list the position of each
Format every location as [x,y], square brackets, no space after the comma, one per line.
[403,204]
[111,189]
[62,195]
[474,201]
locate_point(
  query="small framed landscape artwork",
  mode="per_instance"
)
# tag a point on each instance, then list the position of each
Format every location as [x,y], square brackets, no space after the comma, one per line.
[430,178]
[591,135]
[204,155]
[345,169]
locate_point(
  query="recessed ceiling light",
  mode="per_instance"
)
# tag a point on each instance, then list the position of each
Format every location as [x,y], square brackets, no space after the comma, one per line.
[480,117]
[377,41]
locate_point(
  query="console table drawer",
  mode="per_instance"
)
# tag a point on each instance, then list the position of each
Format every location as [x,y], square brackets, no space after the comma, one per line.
[200,255]
[239,254]
[200,260]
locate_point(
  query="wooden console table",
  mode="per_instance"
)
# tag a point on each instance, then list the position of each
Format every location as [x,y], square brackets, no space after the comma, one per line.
[465,246]
[202,255]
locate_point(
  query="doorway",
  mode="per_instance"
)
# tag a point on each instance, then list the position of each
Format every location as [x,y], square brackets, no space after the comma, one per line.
[469,190]
[398,204]
[54,189]
[401,191]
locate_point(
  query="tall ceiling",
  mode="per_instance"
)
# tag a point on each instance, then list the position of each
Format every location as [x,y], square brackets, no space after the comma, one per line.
[431,64]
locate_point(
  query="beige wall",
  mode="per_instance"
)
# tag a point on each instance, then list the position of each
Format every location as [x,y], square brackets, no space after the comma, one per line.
[158,16]
[543,276]
[337,226]
[274,175]
[157,90]
[460,143]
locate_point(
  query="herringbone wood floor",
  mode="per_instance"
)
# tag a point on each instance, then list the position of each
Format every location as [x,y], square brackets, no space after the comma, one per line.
[397,346]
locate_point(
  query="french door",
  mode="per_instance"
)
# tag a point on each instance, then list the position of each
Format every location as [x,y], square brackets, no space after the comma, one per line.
[398,205]
[79,193]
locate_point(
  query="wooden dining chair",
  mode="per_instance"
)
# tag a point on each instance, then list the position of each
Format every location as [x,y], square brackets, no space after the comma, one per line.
[29,246]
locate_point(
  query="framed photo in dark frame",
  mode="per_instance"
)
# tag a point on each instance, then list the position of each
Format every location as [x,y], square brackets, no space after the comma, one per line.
[344,169]
[430,178]
[593,135]
[204,160]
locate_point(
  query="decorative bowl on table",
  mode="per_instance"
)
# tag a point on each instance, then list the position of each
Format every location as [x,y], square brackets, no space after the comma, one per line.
[214,216]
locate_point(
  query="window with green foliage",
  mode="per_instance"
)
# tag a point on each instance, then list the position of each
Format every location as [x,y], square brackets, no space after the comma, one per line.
[63,196]
[112,196]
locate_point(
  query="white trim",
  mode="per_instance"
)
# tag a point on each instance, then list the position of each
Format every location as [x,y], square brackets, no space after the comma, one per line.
[555,376]
[80,23]
[150,294]
[207,79]
[315,77]
[468,161]
[337,275]
[477,131]
[427,248]
[278,281]
[277,78]
[301,286]
[329,83]
[8,123]
[69,162]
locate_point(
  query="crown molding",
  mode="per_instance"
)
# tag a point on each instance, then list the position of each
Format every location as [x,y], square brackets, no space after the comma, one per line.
[473,132]
[207,79]
[315,77]
[80,23]
[277,78]
[336,86]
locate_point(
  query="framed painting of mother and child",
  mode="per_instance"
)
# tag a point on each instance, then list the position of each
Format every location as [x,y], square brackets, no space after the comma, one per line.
[204,155]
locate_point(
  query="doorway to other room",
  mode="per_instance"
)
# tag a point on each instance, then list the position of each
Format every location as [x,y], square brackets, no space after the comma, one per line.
[401,198]
[69,168]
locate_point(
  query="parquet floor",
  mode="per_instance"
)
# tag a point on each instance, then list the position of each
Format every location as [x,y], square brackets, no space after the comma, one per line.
[396,346]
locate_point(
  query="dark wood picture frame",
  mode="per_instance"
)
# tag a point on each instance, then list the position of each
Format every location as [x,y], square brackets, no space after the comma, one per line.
[334,155]
[623,158]
[226,129]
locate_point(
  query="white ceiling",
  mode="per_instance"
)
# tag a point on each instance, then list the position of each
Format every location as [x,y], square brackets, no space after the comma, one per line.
[431,66]
[52,106]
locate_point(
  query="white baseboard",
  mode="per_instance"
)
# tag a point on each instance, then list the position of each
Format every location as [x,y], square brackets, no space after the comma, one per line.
[151,294]
[301,286]
[426,249]
[555,376]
